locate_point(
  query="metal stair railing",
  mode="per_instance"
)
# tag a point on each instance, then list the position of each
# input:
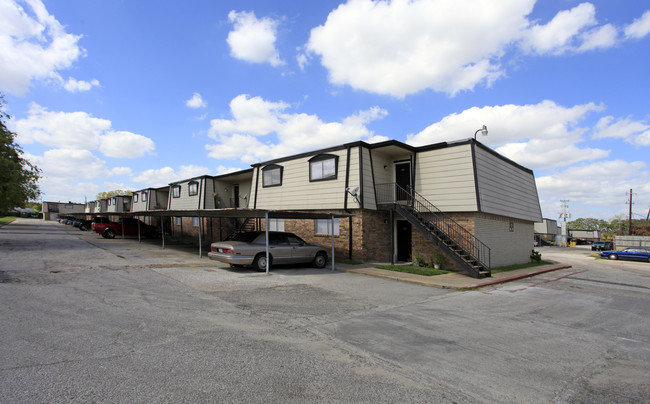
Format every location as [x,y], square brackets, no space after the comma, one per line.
[394,194]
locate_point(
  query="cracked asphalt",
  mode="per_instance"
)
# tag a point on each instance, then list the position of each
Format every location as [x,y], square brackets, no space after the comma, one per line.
[91,320]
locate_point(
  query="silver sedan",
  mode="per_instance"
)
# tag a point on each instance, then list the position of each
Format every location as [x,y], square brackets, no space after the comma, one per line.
[249,248]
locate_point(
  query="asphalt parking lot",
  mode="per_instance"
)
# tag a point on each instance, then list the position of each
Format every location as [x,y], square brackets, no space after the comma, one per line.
[92,320]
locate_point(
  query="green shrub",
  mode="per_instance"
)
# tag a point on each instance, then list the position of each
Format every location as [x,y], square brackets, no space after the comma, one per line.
[535,256]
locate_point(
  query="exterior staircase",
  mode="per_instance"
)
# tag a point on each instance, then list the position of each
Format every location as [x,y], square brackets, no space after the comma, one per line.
[240,226]
[459,243]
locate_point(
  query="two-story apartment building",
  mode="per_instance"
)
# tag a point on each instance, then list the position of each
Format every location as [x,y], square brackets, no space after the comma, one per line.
[52,210]
[407,200]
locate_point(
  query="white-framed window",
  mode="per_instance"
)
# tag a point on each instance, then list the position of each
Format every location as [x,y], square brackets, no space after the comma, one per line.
[144,196]
[176,191]
[195,221]
[324,227]
[109,201]
[135,198]
[323,167]
[276,224]
[114,201]
[193,188]
[178,221]
[272,175]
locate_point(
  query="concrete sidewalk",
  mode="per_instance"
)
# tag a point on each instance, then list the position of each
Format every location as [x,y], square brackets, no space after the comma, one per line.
[452,280]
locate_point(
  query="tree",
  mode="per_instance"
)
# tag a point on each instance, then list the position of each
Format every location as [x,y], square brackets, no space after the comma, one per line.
[115,192]
[18,177]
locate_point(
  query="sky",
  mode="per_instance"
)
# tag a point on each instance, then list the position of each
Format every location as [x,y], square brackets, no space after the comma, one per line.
[125,94]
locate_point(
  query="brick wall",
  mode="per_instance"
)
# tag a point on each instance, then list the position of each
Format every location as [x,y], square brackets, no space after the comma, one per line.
[425,248]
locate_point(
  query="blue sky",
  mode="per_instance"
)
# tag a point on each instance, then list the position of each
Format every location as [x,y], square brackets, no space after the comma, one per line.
[133,94]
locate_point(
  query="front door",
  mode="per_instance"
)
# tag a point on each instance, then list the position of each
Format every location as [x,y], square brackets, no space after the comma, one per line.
[403,241]
[235,190]
[403,180]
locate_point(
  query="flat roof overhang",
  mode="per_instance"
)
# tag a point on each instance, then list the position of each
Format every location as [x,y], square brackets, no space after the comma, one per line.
[227,213]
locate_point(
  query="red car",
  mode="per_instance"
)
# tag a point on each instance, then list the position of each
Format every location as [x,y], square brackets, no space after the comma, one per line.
[130,226]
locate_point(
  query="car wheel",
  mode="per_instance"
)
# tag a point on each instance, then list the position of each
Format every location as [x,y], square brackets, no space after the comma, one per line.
[612,256]
[83,227]
[109,233]
[259,263]
[320,260]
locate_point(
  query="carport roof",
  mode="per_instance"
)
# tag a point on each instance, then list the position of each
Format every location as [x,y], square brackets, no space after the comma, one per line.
[231,212]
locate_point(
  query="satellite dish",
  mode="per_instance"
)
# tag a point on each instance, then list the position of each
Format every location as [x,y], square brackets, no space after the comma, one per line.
[244,197]
[354,192]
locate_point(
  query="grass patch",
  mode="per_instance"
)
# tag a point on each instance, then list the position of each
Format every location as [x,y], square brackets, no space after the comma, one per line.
[519,266]
[7,219]
[414,270]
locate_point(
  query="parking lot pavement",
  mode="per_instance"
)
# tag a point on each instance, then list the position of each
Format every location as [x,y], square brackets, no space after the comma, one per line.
[87,319]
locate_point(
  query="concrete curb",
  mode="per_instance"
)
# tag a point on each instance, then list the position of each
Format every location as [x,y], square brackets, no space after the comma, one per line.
[454,280]
[519,276]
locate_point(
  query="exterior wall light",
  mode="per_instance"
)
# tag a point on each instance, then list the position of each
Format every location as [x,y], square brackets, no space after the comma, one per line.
[483,131]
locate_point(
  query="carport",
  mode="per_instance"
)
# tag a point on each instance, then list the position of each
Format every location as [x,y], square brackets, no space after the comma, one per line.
[226,213]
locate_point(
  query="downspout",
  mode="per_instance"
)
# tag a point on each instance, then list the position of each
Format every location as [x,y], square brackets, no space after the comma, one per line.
[478,197]
[257,183]
[363,191]
[345,203]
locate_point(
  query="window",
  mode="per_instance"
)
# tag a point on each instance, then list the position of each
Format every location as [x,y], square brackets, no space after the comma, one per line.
[195,221]
[114,201]
[323,167]
[193,188]
[178,221]
[176,191]
[109,201]
[276,224]
[324,226]
[135,198]
[144,197]
[272,175]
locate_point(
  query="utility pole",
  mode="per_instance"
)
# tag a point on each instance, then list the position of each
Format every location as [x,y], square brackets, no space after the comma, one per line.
[564,215]
[629,219]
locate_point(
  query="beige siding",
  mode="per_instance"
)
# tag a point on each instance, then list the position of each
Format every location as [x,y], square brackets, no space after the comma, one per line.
[297,192]
[509,243]
[505,189]
[140,206]
[207,200]
[245,190]
[185,201]
[445,177]
[379,161]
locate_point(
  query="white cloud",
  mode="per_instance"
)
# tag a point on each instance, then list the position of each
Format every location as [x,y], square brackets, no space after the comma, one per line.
[162,176]
[634,132]
[79,130]
[252,39]
[196,101]
[33,45]
[61,129]
[125,145]
[243,137]
[122,171]
[70,163]
[609,180]
[559,34]
[75,86]
[399,47]
[639,27]
[535,135]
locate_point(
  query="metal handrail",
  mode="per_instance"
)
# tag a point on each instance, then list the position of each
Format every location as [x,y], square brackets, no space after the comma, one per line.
[392,193]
